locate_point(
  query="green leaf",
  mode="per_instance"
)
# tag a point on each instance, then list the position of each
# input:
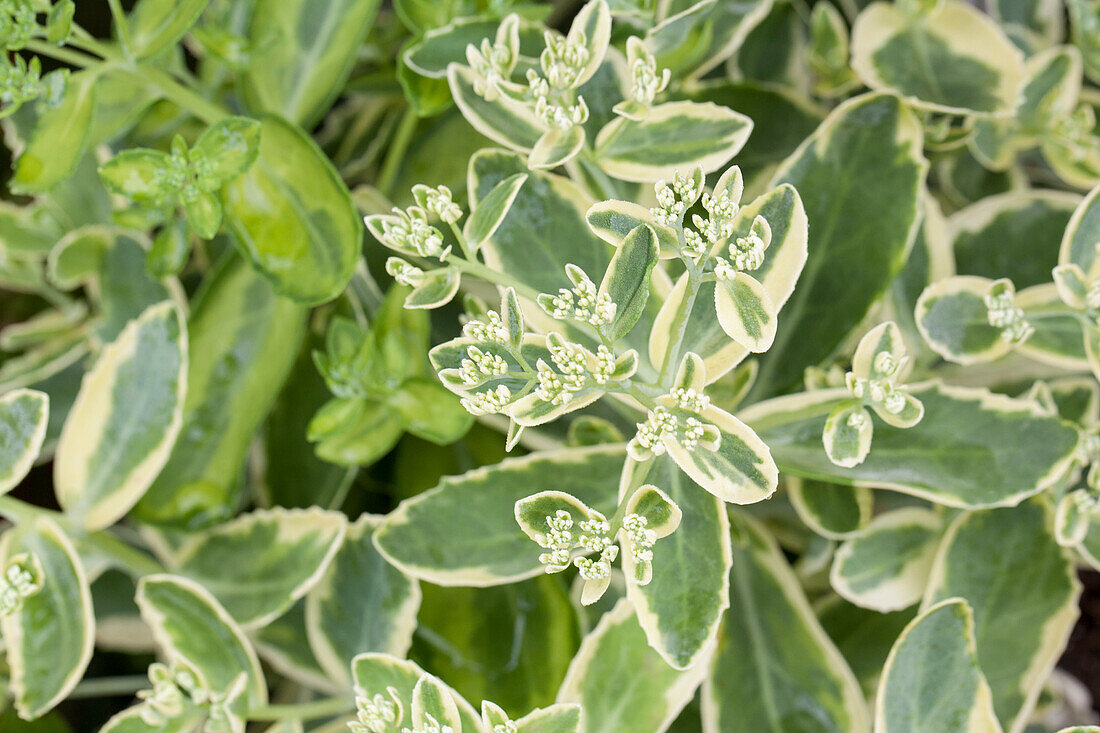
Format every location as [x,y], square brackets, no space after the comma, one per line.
[227,148]
[695,40]
[284,645]
[953,318]
[126,288]
[919,695]
[676,136]
[502,120]
[24,414]
[355,432]
[464,532]
[459,636]
[739,471]
[125,420]
[191,627]
[612,221]
[49,641]
[681,607]
[847,435]
[621,683]
[60,136]
[954,59]
[555,147]
[833,511]
[361,603]
[1021,628]
[259,563]
[1082,233]
[746,312]
[293,216]
[303,53]
[627,278]
[204,214]
[243,341]
[430,411]
[375,673]
[138,174]
[863,637]
[996,237]
[157,24]
[859,176]
[492,209]
[775,668]
[965,452]
[782,119]
[885,567]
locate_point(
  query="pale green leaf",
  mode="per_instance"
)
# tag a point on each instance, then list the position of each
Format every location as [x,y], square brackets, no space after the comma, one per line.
[24,414]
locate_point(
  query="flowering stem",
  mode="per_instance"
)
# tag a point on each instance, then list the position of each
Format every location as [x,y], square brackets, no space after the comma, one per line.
[323,708]
[497,278]
[400,143]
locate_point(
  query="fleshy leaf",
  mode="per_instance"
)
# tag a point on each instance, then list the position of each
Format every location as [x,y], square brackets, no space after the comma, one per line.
[951,694]
[133,399]
[886,566]
[24,414]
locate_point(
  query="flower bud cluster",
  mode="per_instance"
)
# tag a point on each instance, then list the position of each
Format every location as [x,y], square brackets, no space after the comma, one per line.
[746,253]
[646,83]
[375,714]
[674,200]
[404,273]
[494,62]
[21,81]
[438,201]
[596,538]
[641,538]
[492,329]
[582,303]
[22,579]
[177,687]
[882,391]
[18,22]
[1004,314]
[409,230]
[488,402]
[668,422]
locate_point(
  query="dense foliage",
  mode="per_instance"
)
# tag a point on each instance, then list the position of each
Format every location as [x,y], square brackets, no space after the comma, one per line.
[507,367]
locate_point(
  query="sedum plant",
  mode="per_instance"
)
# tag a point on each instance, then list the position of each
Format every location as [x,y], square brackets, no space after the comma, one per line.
[524,367]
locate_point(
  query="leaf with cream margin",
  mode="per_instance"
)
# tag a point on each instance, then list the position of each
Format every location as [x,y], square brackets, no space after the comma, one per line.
[374,673]
[50,639]
[682,605]
[954,59]
[1082,233]
[464,531]
[783,262]
[834,511]
[24,414]
[675,136]
[775,668]
[243,339]
[999,236]
[125,420]
[259,563]
[859,176]
[886,566]
[694,38]
[191,627]
[623,684]
[1021,627]
[503,120]
[362,603]
[932,681]
[953,319]
[972,449]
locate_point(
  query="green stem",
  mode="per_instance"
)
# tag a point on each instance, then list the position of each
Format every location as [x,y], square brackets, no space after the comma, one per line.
[324,708]
[169,88]
[497,278]
[109,686]
[122,22]
[396,154]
